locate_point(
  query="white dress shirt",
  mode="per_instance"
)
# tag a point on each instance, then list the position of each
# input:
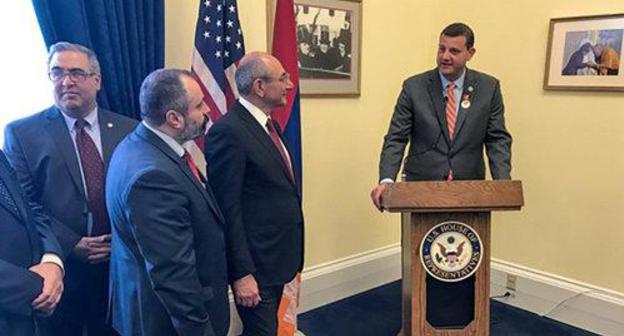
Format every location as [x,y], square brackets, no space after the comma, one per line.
[262,119]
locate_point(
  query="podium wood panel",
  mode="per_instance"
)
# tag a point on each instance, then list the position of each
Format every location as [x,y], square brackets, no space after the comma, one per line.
[455,196]
[414,292]
[428,203]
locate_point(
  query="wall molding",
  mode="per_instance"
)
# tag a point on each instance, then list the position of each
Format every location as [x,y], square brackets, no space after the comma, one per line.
[582,305]
[332,281]
[338,279]
[569,301]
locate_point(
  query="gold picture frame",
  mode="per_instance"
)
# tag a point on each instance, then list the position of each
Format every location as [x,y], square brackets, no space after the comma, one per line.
[328,44]
[585,53]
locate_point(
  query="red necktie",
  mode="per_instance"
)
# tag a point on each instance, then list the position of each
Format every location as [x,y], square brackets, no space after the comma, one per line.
[451,115]
[189,161]
[93,171]
[451,109]
[278,143]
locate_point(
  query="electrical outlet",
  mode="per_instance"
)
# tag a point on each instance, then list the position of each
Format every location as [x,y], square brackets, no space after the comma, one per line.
[511,282]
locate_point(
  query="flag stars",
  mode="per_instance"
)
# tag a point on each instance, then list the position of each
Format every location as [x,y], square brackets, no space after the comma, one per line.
[232,9]
[239,32]
[230,24]
[219,23]
[218,54]
[227,54]
[206,34]
[218,39]
[219,8]
[207,19]
[207,3]
[238,45]
[228,39]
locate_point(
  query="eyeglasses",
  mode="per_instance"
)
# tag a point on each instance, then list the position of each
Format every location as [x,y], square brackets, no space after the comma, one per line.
[76,75]
[284,78]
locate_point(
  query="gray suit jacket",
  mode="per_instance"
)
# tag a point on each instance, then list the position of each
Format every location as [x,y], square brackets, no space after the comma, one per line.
[419,118]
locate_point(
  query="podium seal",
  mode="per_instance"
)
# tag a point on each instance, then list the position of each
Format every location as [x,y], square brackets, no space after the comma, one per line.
[451,251]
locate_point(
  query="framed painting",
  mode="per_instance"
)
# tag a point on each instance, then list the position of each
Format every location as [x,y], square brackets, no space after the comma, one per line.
[585,53]
[328,45]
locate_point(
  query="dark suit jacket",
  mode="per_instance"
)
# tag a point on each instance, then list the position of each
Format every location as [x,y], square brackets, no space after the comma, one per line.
[168,272]
[419,118]
[261,203]
[25,236]
[41,150]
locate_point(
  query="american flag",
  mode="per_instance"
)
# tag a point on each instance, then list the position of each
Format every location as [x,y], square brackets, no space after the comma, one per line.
[218,47]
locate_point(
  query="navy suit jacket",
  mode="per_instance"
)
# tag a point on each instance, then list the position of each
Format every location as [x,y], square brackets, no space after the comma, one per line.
[262,205]
[42,152]
[25,236]
[420,119]
[168,271]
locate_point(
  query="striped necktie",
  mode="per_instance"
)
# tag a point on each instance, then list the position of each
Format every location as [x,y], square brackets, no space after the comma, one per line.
[451,109]
[451,116]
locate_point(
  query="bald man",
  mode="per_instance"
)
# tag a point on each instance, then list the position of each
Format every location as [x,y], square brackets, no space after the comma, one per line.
[251,172]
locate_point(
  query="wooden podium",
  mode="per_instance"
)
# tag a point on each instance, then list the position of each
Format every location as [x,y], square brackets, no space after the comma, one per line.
[425,206]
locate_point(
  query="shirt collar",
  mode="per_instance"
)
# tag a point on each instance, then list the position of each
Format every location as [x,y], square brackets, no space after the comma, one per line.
[459,82]
[91,118]
[177,148]
[256,112]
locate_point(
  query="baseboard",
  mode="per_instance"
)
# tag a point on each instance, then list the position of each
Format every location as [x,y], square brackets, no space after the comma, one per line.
[569,301]
[582,305]
[332,281]
[336,280]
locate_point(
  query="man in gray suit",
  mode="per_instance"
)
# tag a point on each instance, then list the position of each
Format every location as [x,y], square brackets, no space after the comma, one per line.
[448,115]
[424,115]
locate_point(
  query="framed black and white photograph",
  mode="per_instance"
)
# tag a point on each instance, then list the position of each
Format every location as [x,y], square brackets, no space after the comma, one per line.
[585,53]
[328,45]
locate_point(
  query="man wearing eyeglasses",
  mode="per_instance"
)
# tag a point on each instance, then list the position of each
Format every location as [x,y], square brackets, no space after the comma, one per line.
[60,156]
[251,172]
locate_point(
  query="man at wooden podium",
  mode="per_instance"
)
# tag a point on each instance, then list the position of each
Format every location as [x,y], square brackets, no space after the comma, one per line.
[448,115]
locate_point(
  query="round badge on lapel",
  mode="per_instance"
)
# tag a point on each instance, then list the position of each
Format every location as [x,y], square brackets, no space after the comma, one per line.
[465,104]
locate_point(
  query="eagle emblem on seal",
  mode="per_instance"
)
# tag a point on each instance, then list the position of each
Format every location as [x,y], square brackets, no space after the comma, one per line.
[451,251]
[450,256]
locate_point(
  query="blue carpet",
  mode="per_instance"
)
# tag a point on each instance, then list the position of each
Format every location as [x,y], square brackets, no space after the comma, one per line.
[377,312]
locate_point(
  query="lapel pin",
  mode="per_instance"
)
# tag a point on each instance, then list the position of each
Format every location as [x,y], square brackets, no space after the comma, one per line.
[470,88]
[109,125]
[465,104]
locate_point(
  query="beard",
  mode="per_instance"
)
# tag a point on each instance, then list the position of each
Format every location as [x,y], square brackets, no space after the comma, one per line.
[193,129]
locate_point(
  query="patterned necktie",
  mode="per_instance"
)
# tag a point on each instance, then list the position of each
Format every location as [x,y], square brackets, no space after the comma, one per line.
[451,109]
[451,116]
[191,164]
[7,198]
[278,144]
[93,170]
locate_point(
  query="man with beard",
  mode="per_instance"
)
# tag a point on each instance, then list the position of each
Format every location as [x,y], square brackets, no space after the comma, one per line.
[168,271]
[60,157]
